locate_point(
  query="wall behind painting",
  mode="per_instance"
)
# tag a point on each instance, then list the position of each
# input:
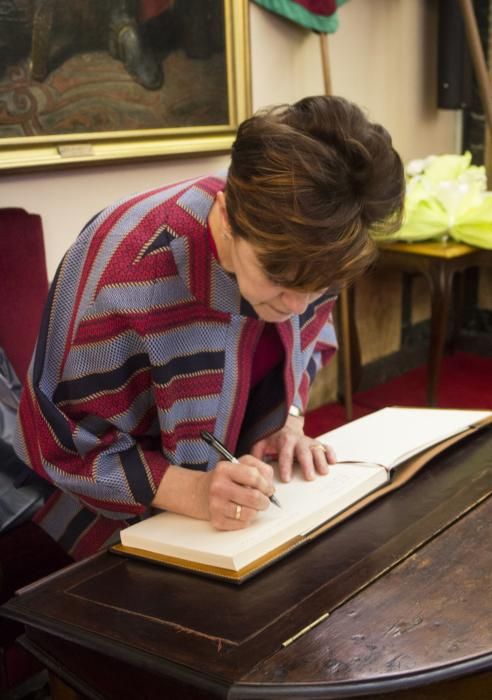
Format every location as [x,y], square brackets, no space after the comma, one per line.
[383,57]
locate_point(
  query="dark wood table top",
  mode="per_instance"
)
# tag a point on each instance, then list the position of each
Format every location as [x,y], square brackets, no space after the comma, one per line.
[401,594]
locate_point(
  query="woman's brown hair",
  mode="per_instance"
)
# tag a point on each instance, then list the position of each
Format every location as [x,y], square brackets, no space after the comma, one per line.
[309,186]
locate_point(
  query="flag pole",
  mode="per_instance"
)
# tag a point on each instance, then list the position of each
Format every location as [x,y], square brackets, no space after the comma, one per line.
[325,62]
[478,58]
[343,299]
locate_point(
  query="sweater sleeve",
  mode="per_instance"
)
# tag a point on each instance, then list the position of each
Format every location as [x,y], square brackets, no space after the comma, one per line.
[86,416]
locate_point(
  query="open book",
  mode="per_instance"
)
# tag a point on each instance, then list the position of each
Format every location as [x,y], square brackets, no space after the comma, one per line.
[368,451]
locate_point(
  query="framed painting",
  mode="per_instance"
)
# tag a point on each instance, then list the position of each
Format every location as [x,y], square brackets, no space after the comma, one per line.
[95,81]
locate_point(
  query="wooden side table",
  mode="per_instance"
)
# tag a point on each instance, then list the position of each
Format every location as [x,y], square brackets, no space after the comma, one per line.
[438,262]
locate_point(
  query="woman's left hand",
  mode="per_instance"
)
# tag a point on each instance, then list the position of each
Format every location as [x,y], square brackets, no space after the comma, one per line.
[290,444]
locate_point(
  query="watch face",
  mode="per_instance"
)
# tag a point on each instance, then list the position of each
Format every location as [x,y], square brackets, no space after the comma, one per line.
[294,411]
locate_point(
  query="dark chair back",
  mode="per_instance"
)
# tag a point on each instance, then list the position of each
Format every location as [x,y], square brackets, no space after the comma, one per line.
[23,284]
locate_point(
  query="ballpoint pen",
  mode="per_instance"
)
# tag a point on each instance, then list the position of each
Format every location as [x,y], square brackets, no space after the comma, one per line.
[221,449]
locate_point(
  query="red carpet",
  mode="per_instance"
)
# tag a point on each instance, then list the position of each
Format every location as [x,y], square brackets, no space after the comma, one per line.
[465,382]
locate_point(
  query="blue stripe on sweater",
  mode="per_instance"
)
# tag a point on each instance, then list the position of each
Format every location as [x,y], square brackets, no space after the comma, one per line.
[100,382]
[135,471]
[150,296]
[188,365]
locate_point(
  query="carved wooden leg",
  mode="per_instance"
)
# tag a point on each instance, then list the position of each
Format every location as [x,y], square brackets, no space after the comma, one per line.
[346,344]
[355,358]
[458,309]
[440,282]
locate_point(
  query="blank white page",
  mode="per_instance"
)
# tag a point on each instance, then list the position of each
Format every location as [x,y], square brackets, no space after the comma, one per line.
[391,435]
[305,505]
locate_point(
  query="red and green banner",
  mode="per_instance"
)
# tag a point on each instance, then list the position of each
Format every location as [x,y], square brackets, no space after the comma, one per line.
[317,15]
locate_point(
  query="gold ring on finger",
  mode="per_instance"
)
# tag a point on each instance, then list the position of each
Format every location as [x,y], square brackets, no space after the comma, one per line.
[317,447]
[237,514]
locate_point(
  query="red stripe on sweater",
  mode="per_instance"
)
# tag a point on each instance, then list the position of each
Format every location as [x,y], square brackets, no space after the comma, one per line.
[92,252]
[304,388]
[114,506]
[43,445]
[285,332]
[199,386]
[199,269]
[28,423]
[211,185]
[156,464]
[122,265]
[199,274]
[148,322]
[138,271]
[186,430]
[249,336]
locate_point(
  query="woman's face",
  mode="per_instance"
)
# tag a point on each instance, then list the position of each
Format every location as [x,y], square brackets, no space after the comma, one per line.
[272,302]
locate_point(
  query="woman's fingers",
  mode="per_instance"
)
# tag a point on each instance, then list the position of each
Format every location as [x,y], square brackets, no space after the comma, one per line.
[315,458]
[312,457]
[286,457]
[238,492]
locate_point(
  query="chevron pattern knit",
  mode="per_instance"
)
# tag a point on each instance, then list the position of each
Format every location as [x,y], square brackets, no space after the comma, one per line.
[144,343]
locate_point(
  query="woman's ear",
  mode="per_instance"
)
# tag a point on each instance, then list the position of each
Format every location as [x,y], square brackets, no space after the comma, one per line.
[224,219]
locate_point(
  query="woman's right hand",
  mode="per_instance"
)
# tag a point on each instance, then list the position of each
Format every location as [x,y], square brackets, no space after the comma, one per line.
[230,496]
[235,493]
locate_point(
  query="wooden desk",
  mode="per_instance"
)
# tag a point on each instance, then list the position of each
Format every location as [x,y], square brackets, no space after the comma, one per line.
[401,592]
[438,262]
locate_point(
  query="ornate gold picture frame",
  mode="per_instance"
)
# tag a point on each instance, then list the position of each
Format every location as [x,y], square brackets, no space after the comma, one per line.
[96,81]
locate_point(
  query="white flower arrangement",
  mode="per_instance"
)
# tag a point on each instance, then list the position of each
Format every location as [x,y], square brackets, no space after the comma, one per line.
[446,197]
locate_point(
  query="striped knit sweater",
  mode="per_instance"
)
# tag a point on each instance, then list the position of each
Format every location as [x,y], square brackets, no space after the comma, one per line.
[144,343]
